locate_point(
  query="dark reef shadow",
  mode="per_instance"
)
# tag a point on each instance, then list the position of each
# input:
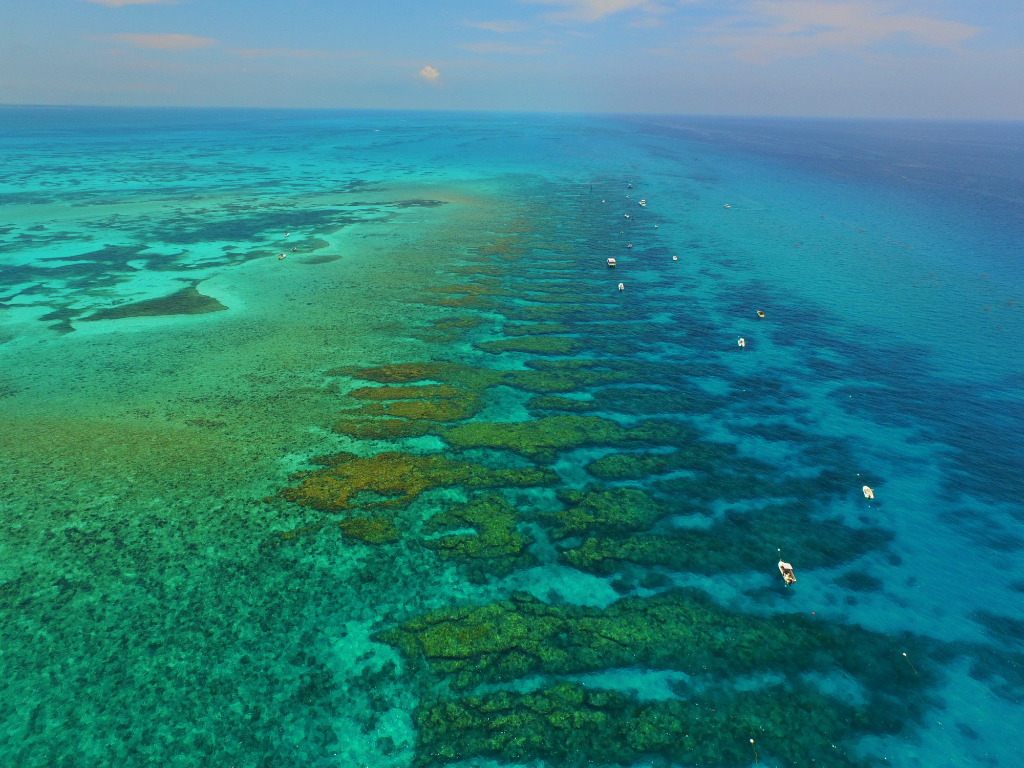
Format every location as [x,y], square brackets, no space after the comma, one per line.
[187,301]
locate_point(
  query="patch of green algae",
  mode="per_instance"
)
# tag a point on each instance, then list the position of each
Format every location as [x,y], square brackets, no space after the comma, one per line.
[401,477]
[569,725]
[541,439]
[620,510]
[370,530]
[496,547]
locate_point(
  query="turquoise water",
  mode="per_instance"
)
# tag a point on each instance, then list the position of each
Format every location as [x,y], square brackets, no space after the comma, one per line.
[430,490]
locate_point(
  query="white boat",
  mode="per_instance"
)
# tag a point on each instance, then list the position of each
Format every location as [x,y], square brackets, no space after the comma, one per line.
[643,202]
[787,573]
[611,262]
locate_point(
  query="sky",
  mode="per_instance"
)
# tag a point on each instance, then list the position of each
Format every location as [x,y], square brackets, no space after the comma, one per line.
[830,58]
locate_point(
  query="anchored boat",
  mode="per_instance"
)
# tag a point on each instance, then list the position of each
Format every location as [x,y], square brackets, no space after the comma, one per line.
[787,573]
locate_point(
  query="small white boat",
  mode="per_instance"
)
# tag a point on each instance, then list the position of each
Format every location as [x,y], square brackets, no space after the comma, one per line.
[869,493]
[728,206]
[787,573]
[611,262]
[675,258]
[622,286]
[644,202]
[630,245]
[742,342]
[627,215]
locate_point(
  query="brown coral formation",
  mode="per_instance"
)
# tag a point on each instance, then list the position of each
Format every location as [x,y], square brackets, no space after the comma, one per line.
[396,479]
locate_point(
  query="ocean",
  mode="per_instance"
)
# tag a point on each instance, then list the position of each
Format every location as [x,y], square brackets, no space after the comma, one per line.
[330,439]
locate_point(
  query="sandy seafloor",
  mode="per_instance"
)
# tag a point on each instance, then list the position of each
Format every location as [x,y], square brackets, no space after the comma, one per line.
[552,538]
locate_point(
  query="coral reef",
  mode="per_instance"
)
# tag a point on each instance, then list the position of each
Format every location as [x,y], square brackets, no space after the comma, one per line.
[759,481]
[740,542]
[541,439]
[680,630]
[382,429]
[696,455]
[421,392]
[619,510]
[534,345]
[496,547]
[537,405]
[569,725]
[535,329]
[400,478]
[187,301]
[370,530]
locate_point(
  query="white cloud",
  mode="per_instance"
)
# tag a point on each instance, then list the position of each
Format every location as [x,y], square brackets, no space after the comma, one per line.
[501,27]
[492,46]
[429,74]
[164,42]
[119,3]
[775,29]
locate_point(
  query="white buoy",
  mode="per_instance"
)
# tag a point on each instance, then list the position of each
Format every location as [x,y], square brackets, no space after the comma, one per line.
[622,286]
[868,492]
[742,342]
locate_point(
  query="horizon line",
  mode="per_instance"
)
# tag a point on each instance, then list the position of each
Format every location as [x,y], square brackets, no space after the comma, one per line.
[537,112]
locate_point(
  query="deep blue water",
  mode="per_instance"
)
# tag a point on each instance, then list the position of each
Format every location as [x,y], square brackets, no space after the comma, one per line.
[152,609]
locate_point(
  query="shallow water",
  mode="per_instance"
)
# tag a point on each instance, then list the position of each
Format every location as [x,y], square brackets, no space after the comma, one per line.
[559,527]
